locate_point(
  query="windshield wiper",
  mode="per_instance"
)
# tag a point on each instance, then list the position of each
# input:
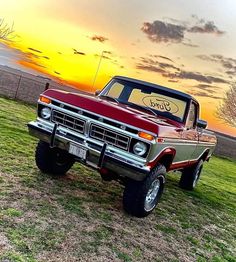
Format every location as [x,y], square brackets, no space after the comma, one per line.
[109,98]
[140,107]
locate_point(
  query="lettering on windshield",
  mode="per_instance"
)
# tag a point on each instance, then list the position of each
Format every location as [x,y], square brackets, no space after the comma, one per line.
[160,104]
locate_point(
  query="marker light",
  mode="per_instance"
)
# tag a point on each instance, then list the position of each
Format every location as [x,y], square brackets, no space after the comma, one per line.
[45,100]
[145,136]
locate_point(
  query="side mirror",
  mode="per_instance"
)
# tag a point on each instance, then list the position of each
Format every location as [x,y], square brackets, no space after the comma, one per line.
[201,123]
[97,92]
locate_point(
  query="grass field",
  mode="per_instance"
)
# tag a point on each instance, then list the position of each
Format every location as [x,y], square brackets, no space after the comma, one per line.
[80,218]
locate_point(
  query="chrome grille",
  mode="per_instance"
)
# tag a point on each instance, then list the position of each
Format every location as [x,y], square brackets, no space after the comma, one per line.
[68,121]
[109,136]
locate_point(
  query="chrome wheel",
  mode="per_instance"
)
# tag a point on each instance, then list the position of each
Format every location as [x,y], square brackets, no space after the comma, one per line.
[197,177]
[151,197]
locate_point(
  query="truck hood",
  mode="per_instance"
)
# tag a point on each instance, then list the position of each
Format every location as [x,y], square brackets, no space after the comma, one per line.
[119,112]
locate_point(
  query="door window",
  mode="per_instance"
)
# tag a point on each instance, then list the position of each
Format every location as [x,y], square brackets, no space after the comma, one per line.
[192,116]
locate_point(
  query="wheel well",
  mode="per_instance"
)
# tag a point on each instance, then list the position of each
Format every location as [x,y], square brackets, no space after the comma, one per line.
[166,161]
[204,155]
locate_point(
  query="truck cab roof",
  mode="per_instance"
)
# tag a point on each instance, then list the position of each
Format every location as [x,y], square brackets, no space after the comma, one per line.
[163,88]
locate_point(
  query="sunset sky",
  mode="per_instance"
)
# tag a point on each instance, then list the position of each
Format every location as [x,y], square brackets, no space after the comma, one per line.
[185,45]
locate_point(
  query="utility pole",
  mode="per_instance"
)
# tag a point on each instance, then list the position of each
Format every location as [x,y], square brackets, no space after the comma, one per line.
[99,64]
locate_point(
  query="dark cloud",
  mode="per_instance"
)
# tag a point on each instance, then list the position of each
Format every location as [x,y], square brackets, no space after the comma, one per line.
[175,73]
[35,50]
[174,32]
[209,89]
[150,68]
[173,81]
[107,52]
[206,87]
[162,57]
[188,75]
[32,55]
[169,66]
[57,73]
[217,80]
[191,45]
[202,26]
[206,28]
[204,94]
[159,31]
[99,38]
[76,52]
[146,62]
[106,57]
[103,56]
[228,63]
[111,57]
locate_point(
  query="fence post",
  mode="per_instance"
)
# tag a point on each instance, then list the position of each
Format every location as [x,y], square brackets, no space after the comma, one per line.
[46,87]
[18,87]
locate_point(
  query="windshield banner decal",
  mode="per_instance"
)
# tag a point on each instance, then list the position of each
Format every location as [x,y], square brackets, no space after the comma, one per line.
[160,104]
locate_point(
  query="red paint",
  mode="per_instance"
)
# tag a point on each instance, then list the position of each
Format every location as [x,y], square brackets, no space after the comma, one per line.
[183,164]
[120,112]
[103,171]
[167,151]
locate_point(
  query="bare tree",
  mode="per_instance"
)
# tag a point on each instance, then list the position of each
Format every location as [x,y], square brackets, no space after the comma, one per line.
[6,31]
[227,110]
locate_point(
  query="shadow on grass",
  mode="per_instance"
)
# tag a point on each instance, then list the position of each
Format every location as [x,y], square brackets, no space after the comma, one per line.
[77,191]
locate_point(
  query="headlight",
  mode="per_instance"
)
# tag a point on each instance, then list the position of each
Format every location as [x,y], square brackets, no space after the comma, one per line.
[46,113]
[140,148]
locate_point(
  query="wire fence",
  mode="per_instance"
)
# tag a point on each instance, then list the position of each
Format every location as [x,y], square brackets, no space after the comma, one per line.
[26,87]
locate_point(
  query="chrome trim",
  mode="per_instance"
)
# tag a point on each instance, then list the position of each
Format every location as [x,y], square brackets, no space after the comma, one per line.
[104,124]
[65,121]
[63,131]
[119,161]
[183,141]
[107,118]
[90,121]
[107,138]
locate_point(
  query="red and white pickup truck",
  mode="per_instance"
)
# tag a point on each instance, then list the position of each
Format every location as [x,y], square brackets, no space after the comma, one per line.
[131,131]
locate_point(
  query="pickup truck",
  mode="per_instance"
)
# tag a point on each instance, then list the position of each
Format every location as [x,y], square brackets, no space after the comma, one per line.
[131,131]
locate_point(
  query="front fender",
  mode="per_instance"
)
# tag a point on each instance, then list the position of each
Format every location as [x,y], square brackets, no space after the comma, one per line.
[165,157]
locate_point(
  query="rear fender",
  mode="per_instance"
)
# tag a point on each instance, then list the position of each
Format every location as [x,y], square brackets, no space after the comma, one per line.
[205,155]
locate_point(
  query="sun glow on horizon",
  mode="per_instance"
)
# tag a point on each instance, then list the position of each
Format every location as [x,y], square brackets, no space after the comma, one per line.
[65,40]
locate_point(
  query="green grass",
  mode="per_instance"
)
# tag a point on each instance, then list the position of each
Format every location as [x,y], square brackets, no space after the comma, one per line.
[80,217]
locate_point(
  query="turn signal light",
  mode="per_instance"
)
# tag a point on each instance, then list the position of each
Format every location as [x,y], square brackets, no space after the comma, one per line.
[145,136]
[45,100]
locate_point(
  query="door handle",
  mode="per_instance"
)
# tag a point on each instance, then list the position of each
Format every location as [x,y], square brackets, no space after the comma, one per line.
[179,129]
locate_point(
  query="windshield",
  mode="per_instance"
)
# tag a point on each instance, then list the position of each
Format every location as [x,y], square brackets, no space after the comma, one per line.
[162,103]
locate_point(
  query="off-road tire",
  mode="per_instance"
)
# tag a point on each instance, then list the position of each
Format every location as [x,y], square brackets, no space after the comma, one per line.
[53,161]
[190,176]
[135,193]
[108,177]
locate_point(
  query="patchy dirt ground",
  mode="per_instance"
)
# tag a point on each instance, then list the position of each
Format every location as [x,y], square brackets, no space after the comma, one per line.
[80,218]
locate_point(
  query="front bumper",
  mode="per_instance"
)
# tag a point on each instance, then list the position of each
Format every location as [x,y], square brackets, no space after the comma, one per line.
[99,155]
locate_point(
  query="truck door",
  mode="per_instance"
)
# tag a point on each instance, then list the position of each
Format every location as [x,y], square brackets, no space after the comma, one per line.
[190,134]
